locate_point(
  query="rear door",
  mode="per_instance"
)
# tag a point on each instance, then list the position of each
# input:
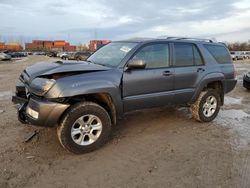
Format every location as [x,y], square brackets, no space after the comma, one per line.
[189,69]
[152,86]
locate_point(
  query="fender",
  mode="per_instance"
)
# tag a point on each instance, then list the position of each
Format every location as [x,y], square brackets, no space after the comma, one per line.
[211,77]
[90,83]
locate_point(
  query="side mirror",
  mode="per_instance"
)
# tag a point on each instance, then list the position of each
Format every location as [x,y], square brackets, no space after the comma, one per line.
[136,64]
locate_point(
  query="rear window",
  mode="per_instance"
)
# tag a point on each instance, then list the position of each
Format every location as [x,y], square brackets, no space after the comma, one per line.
[220,53]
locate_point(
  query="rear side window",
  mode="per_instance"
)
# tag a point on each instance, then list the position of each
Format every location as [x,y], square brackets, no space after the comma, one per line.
[197,56]
[186,55]
[220,53]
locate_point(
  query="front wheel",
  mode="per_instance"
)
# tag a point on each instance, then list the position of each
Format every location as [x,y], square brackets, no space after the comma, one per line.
[207,106]
[84,128]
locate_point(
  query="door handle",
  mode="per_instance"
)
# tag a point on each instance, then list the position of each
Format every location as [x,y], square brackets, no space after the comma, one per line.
[167,73]
[200,70]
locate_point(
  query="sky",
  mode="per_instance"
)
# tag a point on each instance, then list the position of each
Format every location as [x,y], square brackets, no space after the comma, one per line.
[79,21]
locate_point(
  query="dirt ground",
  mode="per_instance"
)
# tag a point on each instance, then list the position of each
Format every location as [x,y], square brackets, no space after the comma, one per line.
[153,148]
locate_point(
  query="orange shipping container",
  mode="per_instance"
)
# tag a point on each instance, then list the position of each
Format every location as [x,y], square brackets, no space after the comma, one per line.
[59,43]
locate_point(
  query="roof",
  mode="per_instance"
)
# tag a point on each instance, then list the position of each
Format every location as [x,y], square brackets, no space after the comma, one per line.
[180,39]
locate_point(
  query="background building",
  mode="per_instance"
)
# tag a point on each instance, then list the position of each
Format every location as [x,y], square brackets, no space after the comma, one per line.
[96,44]
[45,45]
[11,46]
[2,46]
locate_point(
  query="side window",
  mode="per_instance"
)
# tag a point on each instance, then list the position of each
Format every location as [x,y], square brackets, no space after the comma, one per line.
[220,53]
[184,55]
[155,55]
[197,56]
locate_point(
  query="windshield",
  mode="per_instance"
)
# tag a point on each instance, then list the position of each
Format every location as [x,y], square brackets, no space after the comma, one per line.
[112,54]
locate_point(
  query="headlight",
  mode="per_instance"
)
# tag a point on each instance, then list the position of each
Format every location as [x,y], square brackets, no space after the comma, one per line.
[40,86]
[248,74]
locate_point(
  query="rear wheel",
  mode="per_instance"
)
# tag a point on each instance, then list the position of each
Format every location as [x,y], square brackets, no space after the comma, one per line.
[84,128]
[207,106]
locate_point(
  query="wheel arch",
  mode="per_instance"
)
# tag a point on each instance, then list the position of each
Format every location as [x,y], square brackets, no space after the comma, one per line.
[103,99]
[212,81]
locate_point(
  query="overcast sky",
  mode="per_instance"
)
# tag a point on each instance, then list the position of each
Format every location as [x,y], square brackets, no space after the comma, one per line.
[82,20]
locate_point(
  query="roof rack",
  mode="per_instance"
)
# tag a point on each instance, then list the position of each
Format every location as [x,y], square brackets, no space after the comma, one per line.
[189,38]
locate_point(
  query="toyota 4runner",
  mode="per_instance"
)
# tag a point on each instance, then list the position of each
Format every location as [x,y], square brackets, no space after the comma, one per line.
[84,99]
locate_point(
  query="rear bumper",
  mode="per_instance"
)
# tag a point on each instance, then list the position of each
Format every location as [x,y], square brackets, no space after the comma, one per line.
[38,111]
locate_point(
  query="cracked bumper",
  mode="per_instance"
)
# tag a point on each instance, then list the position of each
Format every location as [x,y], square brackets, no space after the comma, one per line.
[37,111]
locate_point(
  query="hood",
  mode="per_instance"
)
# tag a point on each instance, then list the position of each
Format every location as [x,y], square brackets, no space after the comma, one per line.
[45,68]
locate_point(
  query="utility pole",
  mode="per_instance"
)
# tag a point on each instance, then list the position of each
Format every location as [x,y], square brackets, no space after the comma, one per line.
[95,34]
[68,37]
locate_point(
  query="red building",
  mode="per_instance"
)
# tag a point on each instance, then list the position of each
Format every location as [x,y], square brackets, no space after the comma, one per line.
[48,44]
[96,44]
[11,46]
[57,45]
[2,46]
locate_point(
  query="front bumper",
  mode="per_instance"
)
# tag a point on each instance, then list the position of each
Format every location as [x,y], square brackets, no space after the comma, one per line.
[48,112]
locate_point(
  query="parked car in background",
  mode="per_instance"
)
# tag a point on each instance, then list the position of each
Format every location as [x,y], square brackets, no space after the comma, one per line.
[39,53]
[233,56]
[13,54]
[4,56]
[69,56]
[246,81]
[79,56]
[64,55]
[239,55]
[82,56]
[51,54]
[59,54]
[25,54]
[17,54]
[246,55]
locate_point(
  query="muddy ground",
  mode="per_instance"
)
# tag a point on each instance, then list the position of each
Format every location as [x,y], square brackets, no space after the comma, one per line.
[153,148]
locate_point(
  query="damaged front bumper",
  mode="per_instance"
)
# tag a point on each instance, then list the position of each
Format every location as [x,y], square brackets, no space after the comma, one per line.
[37,111]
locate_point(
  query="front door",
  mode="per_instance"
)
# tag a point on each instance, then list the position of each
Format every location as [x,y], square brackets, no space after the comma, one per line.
[152,86]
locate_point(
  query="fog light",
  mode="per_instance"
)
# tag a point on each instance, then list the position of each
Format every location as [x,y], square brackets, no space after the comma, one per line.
[32,112]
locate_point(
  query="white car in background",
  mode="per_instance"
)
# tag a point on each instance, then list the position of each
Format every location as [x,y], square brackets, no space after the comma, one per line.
[63,54]
[237,55]
[4,56]
[233,56]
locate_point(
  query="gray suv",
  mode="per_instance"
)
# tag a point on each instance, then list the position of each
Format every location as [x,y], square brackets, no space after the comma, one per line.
[85,99]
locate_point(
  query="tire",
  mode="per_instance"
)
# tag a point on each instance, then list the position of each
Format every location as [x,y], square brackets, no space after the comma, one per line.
[200,108]
[81,142]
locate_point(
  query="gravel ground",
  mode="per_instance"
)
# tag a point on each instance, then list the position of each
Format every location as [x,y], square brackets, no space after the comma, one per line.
[161,147]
